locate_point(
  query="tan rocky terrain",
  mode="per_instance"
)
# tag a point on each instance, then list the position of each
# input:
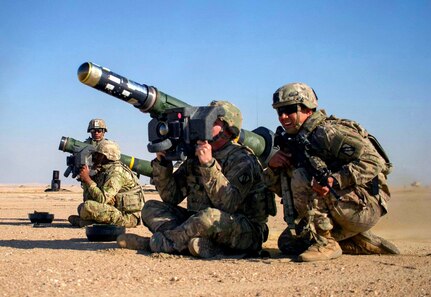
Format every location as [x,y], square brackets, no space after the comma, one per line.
[58,260]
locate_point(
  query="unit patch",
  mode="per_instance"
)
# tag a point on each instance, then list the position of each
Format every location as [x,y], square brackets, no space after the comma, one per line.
[347,149]
[244,178]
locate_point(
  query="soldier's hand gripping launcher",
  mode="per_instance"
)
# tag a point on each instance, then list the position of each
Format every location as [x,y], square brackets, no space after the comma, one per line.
[158,104]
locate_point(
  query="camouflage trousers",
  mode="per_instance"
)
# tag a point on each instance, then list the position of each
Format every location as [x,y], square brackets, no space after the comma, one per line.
[233,232]
[357,211]
[107,214]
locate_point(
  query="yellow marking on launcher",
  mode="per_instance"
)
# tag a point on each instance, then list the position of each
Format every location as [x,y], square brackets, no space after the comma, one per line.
[132,162]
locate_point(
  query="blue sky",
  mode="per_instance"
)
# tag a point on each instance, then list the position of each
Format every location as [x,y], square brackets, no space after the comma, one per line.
[367,60]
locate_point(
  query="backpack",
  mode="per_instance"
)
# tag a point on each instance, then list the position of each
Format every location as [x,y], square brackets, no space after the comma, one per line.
[364,133]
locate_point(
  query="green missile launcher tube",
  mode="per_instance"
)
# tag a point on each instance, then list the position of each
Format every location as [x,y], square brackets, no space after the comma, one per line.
[145,98]
[73,146]
[150,100]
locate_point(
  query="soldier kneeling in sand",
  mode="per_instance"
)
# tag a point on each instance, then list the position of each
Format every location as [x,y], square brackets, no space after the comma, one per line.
[335,172]
[113,195]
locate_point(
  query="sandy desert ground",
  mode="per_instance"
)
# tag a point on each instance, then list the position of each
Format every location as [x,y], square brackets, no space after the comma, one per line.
[58,260]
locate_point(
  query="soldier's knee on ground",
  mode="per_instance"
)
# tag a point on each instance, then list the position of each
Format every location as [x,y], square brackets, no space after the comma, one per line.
[202,222]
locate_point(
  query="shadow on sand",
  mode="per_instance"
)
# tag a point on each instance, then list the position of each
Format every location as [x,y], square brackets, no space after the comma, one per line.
[57,223]
[81,244]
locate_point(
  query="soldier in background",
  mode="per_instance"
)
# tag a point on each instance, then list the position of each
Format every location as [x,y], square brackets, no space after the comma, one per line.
[227,203]
[358,167]
[97,128]
[113,195]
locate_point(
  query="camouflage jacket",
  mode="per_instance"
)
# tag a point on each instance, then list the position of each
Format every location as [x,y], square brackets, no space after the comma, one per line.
[233,183]
[345,148]
[111,179]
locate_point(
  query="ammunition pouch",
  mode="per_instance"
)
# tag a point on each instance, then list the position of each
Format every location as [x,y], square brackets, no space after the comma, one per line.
[259,204]
[130,201]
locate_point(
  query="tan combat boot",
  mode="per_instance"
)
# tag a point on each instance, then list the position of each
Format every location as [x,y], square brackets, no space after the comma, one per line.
[76,221]
[322,251]
[366,243]
[325,246]
[203,248]
[133,242]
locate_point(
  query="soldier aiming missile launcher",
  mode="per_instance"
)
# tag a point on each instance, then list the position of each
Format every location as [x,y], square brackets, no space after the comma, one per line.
[165,131]
[177,131]
[81,152]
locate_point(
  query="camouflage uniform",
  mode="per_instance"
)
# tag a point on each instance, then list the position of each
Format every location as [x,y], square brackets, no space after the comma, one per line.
[113,195]
[226,202]
[316,144]
[358,169]
[102,198]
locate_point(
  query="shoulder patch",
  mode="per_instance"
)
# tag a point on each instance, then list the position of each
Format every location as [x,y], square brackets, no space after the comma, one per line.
[347,149]
[244,178]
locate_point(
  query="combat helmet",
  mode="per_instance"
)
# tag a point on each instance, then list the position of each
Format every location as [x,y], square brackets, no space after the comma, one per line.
[295,93]
[232,116]
[110,149]
[97,124]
